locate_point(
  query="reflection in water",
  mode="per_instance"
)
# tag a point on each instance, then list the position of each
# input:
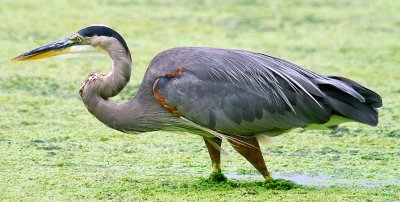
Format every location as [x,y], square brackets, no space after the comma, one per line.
[318,180]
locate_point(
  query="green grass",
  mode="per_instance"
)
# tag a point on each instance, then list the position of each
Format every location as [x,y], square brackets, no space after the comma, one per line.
[52,149]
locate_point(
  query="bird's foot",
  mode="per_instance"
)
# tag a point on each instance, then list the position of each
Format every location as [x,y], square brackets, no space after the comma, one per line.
[216,168]
[268,178]
[266,175]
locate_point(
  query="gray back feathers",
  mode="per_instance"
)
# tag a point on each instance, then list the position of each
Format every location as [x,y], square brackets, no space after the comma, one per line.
[244,93]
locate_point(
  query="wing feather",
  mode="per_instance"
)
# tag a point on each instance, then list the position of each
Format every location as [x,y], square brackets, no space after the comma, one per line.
[243,93]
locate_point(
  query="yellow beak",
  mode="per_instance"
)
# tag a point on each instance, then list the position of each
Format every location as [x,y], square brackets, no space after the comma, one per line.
[56,48]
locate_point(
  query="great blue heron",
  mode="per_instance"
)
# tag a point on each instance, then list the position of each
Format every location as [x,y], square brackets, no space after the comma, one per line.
[215,93]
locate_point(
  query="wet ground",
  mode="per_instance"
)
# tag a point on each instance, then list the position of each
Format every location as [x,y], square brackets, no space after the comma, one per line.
[319,180]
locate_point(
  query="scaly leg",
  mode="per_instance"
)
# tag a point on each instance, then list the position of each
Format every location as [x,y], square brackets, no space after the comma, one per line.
[215,154]
[250,149]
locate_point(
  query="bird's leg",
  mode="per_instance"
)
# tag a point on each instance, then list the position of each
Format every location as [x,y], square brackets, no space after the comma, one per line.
[215,153]
[250,149]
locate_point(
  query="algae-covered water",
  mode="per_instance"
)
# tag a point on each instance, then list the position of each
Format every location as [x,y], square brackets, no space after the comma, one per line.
[318,180]
[52,149]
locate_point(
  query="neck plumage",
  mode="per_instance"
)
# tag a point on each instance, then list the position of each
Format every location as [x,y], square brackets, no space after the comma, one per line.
[116,80]
[140,114]
[98,88]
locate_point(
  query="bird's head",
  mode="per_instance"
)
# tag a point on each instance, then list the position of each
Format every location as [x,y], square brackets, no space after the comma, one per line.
[89,39]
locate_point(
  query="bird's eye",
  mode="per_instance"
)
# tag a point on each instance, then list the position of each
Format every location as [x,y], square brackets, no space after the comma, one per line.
[79,39]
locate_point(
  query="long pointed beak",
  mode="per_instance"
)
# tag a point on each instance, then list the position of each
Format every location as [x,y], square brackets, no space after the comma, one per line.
[52,49]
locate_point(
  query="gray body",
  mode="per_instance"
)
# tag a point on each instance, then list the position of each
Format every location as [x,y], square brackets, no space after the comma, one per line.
[215,93]
[235,92]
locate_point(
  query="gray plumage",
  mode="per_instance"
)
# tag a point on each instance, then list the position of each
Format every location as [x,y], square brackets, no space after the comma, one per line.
[198,89]
[215,93]
[243,93]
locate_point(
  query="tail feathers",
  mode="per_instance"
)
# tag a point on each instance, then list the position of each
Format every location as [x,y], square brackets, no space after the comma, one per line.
[371,98]
[349,104]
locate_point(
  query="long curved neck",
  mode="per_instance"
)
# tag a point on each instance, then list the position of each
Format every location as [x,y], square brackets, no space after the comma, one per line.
[97,89]
[142,113]
[116,80]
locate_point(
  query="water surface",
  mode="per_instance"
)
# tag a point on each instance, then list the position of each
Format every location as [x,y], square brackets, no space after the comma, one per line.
[318,180]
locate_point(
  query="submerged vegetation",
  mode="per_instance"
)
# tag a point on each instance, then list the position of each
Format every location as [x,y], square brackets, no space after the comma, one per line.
[52,149]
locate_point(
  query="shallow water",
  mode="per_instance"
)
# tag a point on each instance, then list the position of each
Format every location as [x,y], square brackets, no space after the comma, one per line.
[318,180]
